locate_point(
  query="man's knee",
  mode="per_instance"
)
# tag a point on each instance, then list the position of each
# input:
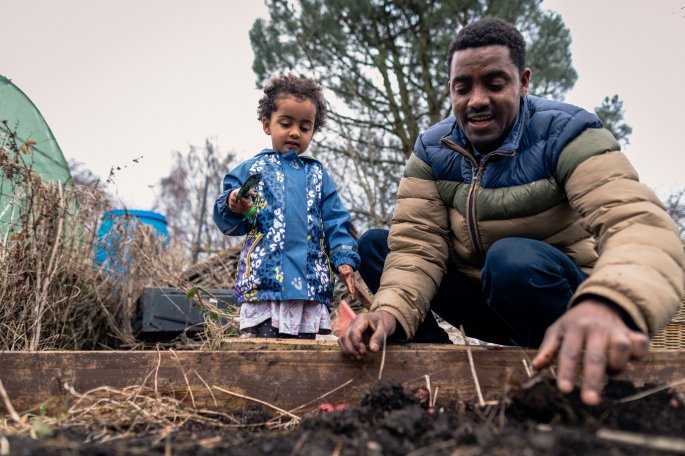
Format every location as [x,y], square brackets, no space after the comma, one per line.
[510,256]
[373,248]
[372,241]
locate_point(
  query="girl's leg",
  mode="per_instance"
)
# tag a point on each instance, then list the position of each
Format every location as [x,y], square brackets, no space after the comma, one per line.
[265,330]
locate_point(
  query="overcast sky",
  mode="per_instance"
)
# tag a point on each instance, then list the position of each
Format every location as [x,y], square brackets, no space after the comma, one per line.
[119,80]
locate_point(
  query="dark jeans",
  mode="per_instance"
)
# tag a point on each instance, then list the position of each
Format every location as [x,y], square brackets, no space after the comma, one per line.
[526,286]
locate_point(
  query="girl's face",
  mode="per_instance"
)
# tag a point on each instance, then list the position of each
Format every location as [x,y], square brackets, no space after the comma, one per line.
[291,126]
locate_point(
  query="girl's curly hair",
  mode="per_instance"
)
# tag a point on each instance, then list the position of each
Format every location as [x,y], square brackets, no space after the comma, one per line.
[289,84]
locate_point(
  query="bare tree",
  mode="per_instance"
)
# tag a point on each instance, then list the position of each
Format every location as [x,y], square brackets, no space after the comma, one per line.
[383,64]
[187,198]
[676,209]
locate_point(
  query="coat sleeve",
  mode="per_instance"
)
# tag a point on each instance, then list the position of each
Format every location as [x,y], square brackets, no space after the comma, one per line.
[229,222]
[337,225]
[419,246]
[641,262]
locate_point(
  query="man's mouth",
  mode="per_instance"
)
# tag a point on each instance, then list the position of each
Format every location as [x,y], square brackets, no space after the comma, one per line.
[480,119]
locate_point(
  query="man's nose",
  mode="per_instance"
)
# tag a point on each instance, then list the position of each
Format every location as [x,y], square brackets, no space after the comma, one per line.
[479,98]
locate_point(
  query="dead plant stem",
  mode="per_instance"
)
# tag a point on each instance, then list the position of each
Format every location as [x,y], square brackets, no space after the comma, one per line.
[8,404]
[285,412]
[473,367]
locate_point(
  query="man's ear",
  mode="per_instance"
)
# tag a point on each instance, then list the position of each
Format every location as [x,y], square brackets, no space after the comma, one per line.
[266,125]
[525,81]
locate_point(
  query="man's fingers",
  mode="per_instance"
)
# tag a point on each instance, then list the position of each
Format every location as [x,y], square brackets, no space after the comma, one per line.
[569,356]
[351,340]
[548,349]
[639,345]
[378,337]
[594,367]
[619,352]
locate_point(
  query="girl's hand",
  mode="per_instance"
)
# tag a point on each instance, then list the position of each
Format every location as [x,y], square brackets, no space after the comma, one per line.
[348,273]
[242,205]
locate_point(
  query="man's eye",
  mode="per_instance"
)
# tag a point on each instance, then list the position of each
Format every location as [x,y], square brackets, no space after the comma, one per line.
[461,89]
[497,85]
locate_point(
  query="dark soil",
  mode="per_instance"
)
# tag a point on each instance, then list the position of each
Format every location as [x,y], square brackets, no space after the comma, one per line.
[536,420]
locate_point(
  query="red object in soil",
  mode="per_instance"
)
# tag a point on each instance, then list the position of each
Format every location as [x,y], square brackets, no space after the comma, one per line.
[328,407]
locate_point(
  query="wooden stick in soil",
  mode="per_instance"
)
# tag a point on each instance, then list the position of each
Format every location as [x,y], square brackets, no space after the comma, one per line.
[285,412]
[481,402]
[315,399]
[8,404]
[654,442]
[651,391]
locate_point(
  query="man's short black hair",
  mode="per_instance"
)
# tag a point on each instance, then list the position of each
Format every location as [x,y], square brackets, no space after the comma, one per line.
[303,88]
[486,32]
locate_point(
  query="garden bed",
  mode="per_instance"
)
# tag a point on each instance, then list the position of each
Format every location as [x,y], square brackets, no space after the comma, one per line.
[257,397]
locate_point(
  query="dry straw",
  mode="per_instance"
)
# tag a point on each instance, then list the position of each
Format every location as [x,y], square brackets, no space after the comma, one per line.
[53,294]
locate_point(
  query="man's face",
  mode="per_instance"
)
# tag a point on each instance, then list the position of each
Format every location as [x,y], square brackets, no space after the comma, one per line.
[486,90]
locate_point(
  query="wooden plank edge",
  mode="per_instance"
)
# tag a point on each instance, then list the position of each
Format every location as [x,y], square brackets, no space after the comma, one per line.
[286,378]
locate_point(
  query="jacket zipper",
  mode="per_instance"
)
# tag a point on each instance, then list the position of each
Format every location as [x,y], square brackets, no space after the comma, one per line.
[477,172]
[248,256]
[471,207]
[328,262]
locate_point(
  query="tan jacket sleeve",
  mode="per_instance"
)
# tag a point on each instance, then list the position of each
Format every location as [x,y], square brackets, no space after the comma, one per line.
[641,261]
[418,243]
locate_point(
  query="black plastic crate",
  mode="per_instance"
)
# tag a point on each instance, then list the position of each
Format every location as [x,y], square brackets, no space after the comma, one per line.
[165,313]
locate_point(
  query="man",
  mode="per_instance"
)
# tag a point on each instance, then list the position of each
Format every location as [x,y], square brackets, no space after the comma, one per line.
[520,219]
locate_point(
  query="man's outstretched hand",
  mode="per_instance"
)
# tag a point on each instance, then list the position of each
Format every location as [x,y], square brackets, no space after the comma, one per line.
[593,334]
[372,328]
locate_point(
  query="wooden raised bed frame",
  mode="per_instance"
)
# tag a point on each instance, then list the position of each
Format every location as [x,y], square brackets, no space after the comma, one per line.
[286,374]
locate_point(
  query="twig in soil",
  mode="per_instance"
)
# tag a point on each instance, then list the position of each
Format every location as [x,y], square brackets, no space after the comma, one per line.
[651,391]
[435,397]
[473,367]
[654,442]
[432,395]
[8,404]
[299,444]
[525,366]
[428,386]
[338,447]
[4,446]
[385,342]
[434,447]
[316,399]
[285,412]
[159,362]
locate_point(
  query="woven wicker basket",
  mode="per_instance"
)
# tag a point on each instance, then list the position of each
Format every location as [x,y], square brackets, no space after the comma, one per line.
[672,336]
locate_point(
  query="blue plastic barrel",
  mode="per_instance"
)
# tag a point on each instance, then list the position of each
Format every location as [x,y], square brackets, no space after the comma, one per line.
[108,251]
